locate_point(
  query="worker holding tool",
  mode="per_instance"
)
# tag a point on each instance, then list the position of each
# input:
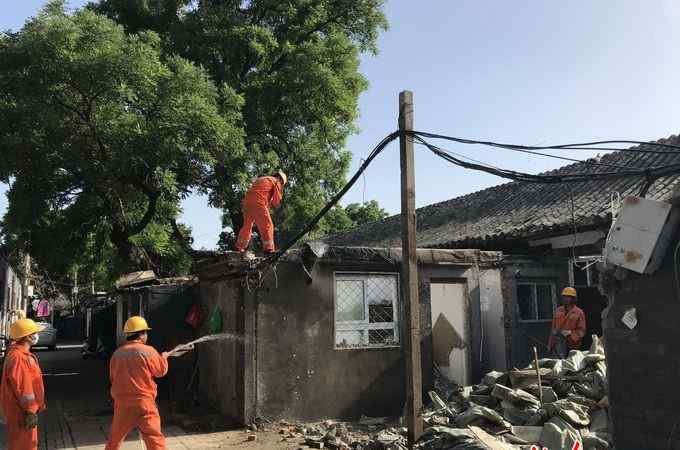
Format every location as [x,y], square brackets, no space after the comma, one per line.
[133,368]
[568,325]
[22,394]
[265,192]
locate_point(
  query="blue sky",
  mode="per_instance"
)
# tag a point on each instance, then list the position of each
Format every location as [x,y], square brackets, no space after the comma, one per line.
[530,72]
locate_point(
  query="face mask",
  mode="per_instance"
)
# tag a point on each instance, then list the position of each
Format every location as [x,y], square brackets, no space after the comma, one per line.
[34,339]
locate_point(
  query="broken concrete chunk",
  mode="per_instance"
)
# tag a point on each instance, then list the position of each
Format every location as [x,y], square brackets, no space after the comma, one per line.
[558,434]
[518,414]
[487,439]
[391,440]
[501,392]
[523,378]
[482,389]
[549,395]
[529,434]
[583,401]
[478,412]
[484,400]
[572,412]
[450,439]
[495,377]
[592,441]
[517,396]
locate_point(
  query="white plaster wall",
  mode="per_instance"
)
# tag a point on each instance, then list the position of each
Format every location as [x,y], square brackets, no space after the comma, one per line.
[493,325]
[449,309]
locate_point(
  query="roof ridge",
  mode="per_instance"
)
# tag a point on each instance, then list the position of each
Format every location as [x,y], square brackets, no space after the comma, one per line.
[484,198]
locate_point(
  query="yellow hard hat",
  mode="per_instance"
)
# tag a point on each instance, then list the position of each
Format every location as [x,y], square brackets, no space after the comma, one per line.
[283,176]
[569,292]
[22,328]
[135,324]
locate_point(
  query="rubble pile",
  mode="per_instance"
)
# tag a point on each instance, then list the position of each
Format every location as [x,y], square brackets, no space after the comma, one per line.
[510,410]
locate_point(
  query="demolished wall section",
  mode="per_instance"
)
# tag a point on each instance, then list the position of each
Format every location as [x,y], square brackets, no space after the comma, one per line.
[644,362]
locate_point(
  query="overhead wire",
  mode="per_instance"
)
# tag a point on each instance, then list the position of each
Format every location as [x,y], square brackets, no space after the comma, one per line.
[575,146]
[651,172]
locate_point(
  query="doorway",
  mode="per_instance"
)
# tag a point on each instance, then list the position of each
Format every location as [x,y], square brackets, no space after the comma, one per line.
[451,330]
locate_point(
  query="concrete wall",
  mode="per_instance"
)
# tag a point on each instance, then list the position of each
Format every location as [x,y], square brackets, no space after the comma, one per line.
[644,363]
[288,367]
[301,375]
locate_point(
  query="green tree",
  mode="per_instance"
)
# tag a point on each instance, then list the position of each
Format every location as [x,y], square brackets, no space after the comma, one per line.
[296,65]
[365,213]
[101,136]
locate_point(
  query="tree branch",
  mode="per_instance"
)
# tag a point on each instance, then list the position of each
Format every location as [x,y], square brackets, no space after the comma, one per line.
[183,241]
[148,215]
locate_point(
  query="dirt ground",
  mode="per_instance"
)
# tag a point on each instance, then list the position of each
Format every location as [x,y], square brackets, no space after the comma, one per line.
[264,440]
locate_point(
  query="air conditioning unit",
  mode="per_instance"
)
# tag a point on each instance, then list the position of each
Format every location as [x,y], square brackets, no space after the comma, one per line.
[642,233]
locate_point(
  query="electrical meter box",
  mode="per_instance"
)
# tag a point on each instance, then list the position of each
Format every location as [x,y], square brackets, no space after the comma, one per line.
[642,233]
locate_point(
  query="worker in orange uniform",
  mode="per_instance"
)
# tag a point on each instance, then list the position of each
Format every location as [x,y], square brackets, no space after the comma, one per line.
[568,325]
[22,394]
[265,192]
[132,369]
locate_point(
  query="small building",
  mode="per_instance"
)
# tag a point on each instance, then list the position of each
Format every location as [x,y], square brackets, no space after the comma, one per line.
[320,335]
[164,303]
[551,235]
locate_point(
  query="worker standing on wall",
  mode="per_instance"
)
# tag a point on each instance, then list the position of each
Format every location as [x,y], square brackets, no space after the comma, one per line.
[568,325]
[22,394]
[133,368]
[265,192]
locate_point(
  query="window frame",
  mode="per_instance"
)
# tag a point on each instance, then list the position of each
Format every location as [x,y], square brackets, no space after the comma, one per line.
[365,325]
[591,277]
[535,283]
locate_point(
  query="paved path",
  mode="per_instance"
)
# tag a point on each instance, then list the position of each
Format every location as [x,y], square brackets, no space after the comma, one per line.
[79,412]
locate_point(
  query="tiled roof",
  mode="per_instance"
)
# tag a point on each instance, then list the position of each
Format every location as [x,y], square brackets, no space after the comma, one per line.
[517,210]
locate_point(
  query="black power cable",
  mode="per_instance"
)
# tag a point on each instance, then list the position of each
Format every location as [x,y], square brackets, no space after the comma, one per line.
[577,146]
[653,172]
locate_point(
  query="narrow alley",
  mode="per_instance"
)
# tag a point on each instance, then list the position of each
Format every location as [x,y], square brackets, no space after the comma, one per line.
[79,411]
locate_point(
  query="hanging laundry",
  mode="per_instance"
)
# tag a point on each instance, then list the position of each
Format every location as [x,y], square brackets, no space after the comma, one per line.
[44,308]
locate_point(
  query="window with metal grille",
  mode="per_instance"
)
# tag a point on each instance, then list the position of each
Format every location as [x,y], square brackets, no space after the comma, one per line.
[535,301]
[366,310]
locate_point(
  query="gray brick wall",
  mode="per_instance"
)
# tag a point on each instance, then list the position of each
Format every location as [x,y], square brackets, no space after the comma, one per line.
[644,363]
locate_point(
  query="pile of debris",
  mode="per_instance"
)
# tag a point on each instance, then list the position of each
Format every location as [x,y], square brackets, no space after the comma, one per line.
[512,410]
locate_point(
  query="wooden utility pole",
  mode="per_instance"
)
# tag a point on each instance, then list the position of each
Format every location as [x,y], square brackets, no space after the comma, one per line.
[409,273]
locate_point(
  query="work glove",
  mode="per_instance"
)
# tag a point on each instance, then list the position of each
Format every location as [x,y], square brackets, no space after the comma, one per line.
[30,420]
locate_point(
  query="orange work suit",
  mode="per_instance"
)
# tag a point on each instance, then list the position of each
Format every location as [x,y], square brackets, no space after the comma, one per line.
[21,392]
[132,370]
[262,195]
[574,321]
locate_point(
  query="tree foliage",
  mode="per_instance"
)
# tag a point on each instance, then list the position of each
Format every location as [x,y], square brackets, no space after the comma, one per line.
[101,135]
[296,65]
